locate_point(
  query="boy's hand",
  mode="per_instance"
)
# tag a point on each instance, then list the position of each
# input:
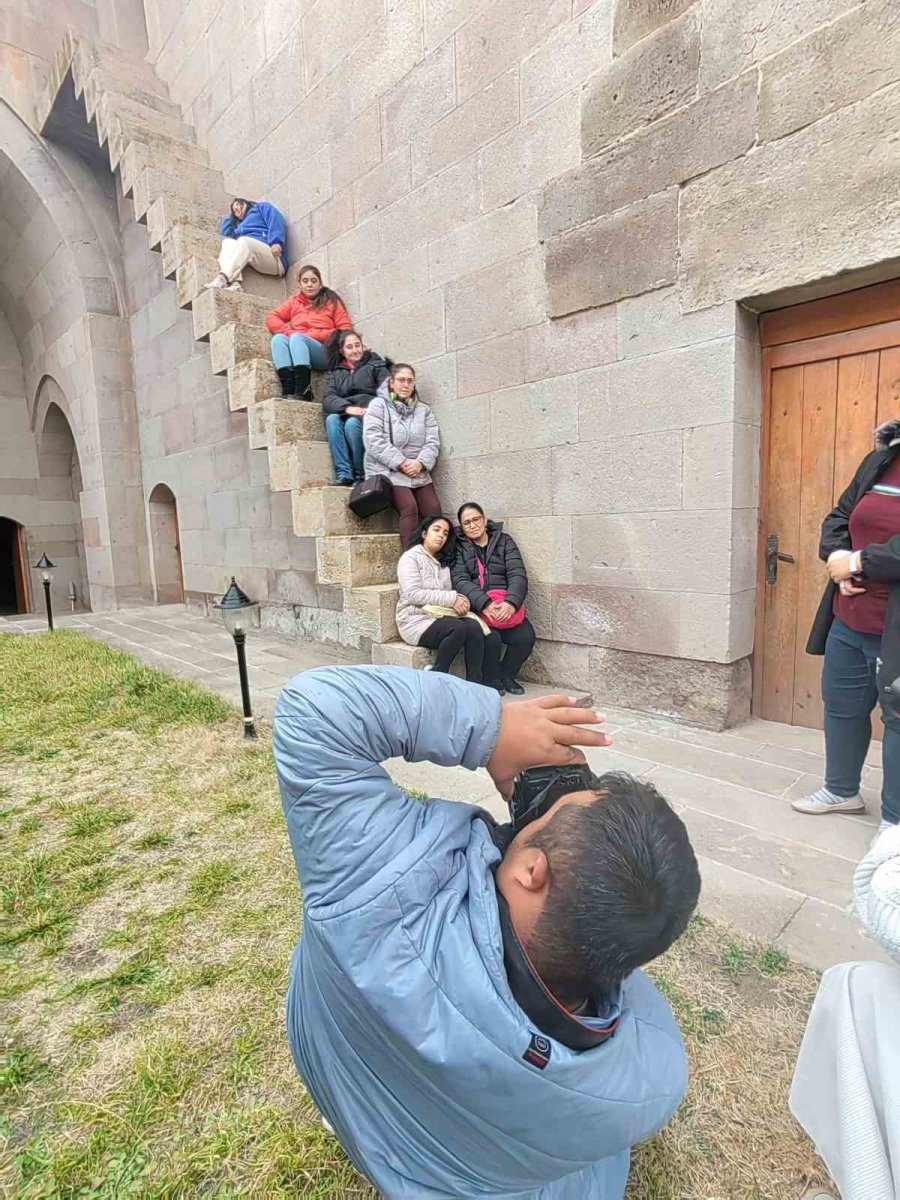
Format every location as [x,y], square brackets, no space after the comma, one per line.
[542,733]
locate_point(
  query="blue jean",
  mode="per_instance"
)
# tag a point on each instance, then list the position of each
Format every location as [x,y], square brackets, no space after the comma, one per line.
[850,692]
[298,350]
[345,439]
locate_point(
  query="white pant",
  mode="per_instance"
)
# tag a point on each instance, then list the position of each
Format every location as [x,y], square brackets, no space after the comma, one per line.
[237,253]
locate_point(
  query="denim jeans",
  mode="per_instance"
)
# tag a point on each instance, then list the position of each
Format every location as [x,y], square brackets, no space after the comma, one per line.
[298,350]
[850,692]
[345,438]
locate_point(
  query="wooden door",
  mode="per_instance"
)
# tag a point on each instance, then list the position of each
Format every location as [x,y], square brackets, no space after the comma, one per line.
[831,374]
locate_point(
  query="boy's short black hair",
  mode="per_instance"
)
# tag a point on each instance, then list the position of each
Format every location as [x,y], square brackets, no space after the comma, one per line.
[624,883]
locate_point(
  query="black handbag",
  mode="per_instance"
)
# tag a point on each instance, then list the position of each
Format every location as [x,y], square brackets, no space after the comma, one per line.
[371,496]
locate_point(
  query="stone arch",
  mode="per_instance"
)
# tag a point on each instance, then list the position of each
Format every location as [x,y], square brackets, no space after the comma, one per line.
[62,291]
[13,568]
[165,545]
[60,528]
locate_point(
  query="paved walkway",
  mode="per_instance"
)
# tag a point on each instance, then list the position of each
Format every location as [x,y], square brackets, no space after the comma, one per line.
[781,876]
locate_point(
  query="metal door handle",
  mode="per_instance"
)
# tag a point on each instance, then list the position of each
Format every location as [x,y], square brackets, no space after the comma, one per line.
[773,557]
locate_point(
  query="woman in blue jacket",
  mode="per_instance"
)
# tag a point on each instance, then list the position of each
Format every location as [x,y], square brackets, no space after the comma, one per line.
[253,235]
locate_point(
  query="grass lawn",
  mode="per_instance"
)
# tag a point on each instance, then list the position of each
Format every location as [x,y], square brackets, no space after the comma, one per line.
[150,909]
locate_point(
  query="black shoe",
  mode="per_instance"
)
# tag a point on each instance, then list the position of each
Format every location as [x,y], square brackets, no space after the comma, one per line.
[287,381]
[307,395]
[513,687]
[345,482]
[497,684]
[302,380]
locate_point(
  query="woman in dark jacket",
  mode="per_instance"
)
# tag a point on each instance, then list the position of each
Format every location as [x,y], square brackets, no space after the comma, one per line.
[354,378]
[488,560]
[857,628]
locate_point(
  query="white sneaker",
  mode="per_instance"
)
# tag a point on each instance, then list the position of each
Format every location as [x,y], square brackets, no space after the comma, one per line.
[235,287]
[823,801]
[219,282]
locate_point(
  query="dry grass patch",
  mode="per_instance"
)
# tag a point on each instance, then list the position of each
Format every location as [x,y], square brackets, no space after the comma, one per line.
[150,911]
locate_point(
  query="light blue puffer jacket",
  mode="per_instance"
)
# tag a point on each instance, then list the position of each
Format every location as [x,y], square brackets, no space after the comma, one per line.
[400,1017]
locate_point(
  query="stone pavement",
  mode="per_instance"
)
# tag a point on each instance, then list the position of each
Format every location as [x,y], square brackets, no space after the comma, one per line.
[778,875]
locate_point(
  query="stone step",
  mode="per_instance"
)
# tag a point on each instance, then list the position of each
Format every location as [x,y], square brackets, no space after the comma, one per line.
[195,272]
[129,127]
[249,381]
[299,465]
[84,55]
[370,615]
[100,82]
[193,183]
[357,561]
[323,512]
[284,422]
[232,344]
[215,307]
[168,211]
[182,243]
[399,654]
[115,112]
[160,151]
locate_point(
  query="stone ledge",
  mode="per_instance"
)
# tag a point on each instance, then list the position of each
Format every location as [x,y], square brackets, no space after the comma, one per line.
[232,344]
[215,307]
[283,422]
[357,561]
[323,512]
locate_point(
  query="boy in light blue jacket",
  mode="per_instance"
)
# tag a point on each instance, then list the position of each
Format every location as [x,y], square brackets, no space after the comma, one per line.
[463,1004]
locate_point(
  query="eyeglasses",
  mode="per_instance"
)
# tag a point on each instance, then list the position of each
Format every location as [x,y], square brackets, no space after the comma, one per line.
[472,522]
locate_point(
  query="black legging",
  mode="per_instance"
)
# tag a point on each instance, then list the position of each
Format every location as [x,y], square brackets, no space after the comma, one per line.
[519,643]
[449,635]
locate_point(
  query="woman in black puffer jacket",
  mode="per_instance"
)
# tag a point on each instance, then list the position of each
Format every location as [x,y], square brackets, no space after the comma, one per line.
[489,561]
[354,377]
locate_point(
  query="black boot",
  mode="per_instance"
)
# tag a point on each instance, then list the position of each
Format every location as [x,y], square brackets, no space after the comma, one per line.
[288,381]
[302,376]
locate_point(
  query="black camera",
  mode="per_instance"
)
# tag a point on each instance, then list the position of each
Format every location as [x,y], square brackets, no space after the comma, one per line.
[537,790]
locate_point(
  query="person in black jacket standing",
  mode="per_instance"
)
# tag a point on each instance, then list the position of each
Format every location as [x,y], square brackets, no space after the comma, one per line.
[488,570]
[354,377]
[857,628]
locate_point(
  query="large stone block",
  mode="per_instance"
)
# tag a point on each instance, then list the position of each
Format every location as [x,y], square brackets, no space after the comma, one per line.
[398,654]
[717,628]
[821,72]
[394,285]
[500,234]
[419,100]
[745,228]
[650,80]
[215,307]
[323,512]
[182,243]
[387,182]
[534,415]
[441,204]
[357,149]
[191,277]
[443,17]
[537,150]
[370,614]
[193,183]
[646,550]
[721,466]
[610,475]
[716,695]
[299,465]
[484,116]
[232,344]
[158,150]
[250,381]
[293,587]
[355,253]
[465,426]
[502,298]
[739,33]
[713,130]
[511,485]
[678,389]
[358,561]
[283,422]
[575,343]
[575,51]
[501,35]
[491,365]
[654,322]
[415,330]
[620,618]
[310,185]
[546,545]
[607,259]
[634,19]
[167,211]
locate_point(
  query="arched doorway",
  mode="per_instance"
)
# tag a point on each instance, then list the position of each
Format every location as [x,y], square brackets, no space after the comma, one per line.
[60,531]
[165,545]
[13,572]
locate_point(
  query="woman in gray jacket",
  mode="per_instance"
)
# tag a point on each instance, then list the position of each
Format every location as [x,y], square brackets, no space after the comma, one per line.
[423,573]
[402,441]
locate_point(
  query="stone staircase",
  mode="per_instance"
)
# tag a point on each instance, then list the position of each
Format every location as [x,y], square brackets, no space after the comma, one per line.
[181,200]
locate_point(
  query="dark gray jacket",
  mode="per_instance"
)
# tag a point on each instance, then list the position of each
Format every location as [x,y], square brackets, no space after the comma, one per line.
[503,569]
[355,387]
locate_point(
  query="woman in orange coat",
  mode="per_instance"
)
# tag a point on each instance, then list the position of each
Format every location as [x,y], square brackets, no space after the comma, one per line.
[301,326]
